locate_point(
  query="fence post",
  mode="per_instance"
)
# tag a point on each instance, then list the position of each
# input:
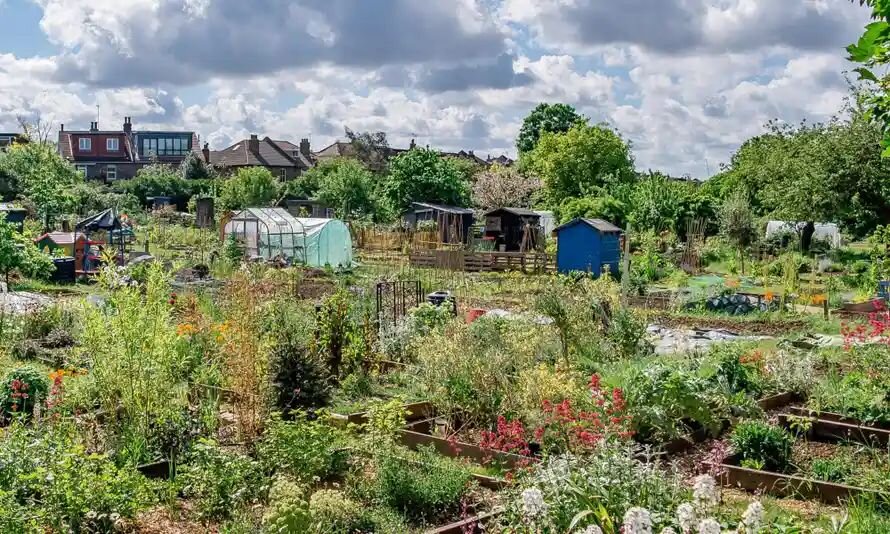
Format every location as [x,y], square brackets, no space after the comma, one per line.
[625,272]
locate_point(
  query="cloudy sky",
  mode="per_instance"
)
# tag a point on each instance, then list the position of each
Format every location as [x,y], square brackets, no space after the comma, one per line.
[685,80]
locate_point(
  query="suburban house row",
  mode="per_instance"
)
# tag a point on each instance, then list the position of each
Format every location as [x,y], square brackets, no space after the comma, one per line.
[110,155]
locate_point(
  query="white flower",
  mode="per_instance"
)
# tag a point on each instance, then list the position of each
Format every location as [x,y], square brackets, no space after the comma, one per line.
[709,526]
[533,503]
[704,491]
[637,521]
[592,529]
[668,530]
[753,517]
[91,514]
[686,516]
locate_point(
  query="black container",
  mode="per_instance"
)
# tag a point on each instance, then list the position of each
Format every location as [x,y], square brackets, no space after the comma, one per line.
[64,271]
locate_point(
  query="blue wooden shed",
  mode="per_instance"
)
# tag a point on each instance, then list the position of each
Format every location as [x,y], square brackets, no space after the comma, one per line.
[588,245]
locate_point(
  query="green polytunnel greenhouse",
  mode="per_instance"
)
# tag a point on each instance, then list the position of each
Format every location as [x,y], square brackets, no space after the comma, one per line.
[273,232]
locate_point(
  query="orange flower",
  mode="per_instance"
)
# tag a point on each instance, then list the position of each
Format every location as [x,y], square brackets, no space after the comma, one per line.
[732,283]
[769,296]
[818,299]
[185,329]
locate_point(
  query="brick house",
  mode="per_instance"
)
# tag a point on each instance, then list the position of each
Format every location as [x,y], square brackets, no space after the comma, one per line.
[344,149]
[110,155]
[283,159]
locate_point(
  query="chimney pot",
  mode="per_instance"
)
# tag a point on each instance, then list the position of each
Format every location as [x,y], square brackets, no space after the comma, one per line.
[305,148]
[62,127]
[254,144]
[412,145]
[128,126]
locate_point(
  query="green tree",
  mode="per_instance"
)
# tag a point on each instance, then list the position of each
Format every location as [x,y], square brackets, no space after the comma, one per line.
[38,173]
[10,257]
[250,187]
[370,148]
[348,187]
[737,223]
[422,175]
[193,167]
[604,207]
[155,180]
[18,252]
[579,162]
[872,51]
[549,118]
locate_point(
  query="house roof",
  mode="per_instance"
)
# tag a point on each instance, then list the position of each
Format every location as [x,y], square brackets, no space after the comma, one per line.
[343,149]
[270,154]
[129,153]
[425,206]
[598,224]
[519,212]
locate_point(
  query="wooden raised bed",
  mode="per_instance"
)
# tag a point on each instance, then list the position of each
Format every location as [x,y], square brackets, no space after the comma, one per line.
[779,400]
[470,525]
[420,434]
[414,411]
[833,430]
[835,417]
[781,485]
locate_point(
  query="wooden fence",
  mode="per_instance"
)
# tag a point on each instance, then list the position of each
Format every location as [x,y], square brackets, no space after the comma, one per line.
[461,260]
[370,238]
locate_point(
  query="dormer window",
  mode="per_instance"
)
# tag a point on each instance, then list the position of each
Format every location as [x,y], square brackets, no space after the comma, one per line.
[85,144]
[112,144]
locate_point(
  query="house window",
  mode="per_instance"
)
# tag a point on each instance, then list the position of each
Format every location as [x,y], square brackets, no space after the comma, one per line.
[282,175]
[111,172]
[112,144]
[165,146]
[85,144]
[82,169]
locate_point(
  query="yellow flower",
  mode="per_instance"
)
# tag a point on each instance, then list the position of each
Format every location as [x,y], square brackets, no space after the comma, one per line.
[185,329]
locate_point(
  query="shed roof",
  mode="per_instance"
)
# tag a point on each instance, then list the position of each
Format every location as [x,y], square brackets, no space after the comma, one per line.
[520,212]
[424,206]
[598,224]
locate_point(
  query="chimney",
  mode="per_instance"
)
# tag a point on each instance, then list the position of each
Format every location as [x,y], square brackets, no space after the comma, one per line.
[412,145]
[62,127]
[206,152]
[128,126]
[94,126]
[304,148]
[254,144]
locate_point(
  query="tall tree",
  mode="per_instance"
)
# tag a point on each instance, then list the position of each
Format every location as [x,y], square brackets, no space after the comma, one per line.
[546,118]
[500,186]
[193,167]
[873,52]
[348,187]
[370,148]
[422,175]
[251,187]
[579,162]
[39,174]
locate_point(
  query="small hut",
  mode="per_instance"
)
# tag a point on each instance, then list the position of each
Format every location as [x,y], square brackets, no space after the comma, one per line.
[513,229]
[451,222]
[75,245]
[588,245]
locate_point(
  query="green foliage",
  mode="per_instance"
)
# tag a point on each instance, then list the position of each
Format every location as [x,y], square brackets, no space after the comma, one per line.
[90,197]
[53,482]
[18,252]
[251,187]
[831,469]
[737,222]
[21,389]
[42,176]
[302,379]
[193,167]
[604,207]
[423,487]
[857,394]
[422,175]
[155,180]
[579,162]
[872,50]
[288,510]
[659,203]
[762,444]
[333,512]
[546,118]
[220,482]
[303,449]
[627,333]
[346,186]
[233,251]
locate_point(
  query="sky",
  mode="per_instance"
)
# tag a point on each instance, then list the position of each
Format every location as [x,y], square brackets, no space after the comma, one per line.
[685,81]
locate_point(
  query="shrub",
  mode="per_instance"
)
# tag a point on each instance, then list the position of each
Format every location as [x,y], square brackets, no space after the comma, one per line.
[421,488]
[335,513]
[304,449]
[219,481]
[61,487]
[301,377]
[627,332]
[21,389]
[288,510]
[762,445]
[831,469]
[732,374]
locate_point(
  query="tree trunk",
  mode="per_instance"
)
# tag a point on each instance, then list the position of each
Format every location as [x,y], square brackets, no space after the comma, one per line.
[806,236]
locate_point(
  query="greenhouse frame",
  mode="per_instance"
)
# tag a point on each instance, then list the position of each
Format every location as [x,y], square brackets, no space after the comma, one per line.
[273,232]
